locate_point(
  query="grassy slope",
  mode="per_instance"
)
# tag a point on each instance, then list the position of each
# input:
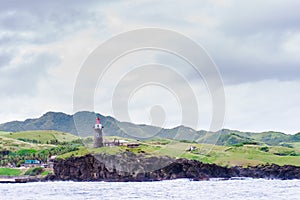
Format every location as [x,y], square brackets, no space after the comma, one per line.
[42,136]
[10,172]
[14,145]
[225,155]
[296,145]
[5,171]
[9,141]
[3,132]
[271,137]
[222,155]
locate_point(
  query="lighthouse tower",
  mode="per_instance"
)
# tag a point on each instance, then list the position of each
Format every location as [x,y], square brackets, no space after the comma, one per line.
[98,137]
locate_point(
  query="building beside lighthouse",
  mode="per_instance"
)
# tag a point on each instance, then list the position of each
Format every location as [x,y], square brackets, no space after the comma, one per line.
[98,136]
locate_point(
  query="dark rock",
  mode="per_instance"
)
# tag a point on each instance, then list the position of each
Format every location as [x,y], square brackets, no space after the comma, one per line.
[131,167]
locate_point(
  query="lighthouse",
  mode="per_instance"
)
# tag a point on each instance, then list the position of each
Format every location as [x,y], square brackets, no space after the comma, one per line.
[98,137]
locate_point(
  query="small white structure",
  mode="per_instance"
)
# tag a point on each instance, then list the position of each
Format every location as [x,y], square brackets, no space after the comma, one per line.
[50,161]
[192,148]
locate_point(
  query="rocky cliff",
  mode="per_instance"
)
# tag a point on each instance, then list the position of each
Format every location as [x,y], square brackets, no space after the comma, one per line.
[131,167]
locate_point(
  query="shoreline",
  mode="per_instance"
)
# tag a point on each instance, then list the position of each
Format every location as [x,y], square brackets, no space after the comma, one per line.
[43,180]
[130,167]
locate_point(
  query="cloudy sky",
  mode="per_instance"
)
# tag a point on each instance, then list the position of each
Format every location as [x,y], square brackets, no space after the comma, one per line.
[255,44]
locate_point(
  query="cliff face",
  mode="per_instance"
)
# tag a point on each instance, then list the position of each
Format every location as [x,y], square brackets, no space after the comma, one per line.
[271,171]
[130,167]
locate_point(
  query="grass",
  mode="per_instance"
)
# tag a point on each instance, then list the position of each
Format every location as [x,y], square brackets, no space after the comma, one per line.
[46,172]
[34,171]
[10,172]
[11,144]
[246,155]
[296,145]
[23,140]
[42,136]
[242,155]
[13,141]
[81,152]
[3,133]
[17,172]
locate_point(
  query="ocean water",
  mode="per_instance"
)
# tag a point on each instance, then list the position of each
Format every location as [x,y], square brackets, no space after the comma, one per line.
[173,189]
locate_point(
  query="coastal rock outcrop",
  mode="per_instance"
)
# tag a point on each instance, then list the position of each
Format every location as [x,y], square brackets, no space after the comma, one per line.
[272,171]
[131,167]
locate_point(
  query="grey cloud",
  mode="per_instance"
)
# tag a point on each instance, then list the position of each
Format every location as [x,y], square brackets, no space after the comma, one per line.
[246,40]
[47,20]
[248,43]
[235,72]
[246,18]
[23,79]
[5,58]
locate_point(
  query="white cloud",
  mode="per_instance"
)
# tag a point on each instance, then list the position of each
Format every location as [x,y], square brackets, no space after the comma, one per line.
[254,43]
[264,105]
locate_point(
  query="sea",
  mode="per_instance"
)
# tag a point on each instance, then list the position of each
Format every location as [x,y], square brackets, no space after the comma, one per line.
[172,189]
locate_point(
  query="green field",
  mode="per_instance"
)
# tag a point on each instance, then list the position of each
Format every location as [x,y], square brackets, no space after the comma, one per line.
[42,136]
[296,145]
[33,139]
[10,172]
[17,172]
[10,144]
[246,155]
[19,146]
[225,155]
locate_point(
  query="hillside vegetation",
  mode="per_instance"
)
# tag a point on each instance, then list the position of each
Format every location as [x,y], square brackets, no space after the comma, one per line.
[43,137]
[55,134]
[82,123]
[232,155]
[34,140]
[18,146]
[237,151]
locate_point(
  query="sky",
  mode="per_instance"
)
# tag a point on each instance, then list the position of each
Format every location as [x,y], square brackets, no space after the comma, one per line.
[255,45]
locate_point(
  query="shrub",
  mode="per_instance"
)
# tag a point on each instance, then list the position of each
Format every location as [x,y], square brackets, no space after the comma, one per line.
[29,140]
[34,171]
[286,153]
[286,145]
[45,173]
[187,141]
[20,162]
[26,152]
[265,149]
[238,145]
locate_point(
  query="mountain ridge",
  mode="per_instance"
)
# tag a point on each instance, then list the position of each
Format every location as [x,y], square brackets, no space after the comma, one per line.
[81,124]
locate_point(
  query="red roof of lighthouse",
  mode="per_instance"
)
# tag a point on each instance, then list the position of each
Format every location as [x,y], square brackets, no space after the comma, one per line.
[98,120]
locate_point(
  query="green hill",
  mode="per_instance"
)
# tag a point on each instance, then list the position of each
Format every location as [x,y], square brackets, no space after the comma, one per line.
[33,139]
[15,147]
[234,139]
[43,137]
[226,152]
[81,123]
[272,138]
[11,144]
[244,155]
